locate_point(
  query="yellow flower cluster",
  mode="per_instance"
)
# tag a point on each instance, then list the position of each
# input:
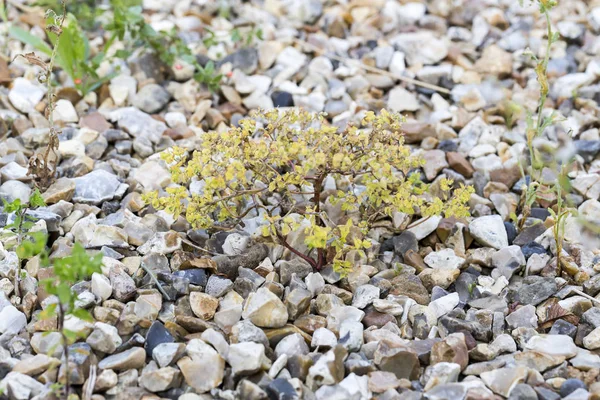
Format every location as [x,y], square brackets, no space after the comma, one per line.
[276,164]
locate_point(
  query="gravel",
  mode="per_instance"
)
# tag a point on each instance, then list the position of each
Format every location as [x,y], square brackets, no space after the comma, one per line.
[442,308]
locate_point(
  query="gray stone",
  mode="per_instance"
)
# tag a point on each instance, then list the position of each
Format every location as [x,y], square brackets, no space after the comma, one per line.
[151,98]
[265,309]
[96,187]
[365,295]
[104,338]
[296,266]
[523,317]
[247,358]
[507,261]
[489,231]
[291,345]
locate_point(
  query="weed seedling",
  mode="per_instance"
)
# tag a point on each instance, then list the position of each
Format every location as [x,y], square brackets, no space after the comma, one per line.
[68,271]
[28,244]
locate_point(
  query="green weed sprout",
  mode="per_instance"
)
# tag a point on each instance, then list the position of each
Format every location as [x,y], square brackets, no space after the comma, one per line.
[28,244]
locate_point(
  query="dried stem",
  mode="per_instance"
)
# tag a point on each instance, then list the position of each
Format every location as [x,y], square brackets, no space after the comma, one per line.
[19,241]
[40,168]
[158,285]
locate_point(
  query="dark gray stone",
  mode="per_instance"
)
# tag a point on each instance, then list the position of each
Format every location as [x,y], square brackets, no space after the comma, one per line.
[532,248]
[282,99]
[228,266]
[529,234]
[571,385]
[245,59]
[562,327]
[404,242]
[592,317]
[194,276]
[534,290]
[156,335]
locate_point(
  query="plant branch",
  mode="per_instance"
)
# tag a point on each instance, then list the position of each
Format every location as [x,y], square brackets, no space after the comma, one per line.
[306,258]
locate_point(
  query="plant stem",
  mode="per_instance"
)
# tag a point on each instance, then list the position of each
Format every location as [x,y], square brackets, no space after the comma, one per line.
[61,323]
[19,241]
[306,258]
[318,186]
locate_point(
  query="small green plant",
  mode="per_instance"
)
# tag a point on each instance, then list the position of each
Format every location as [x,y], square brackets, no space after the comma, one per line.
[68,271]
[511,112]
[535,127]
[246,36]
[129,22]
[27,243]
[471,287]
[560,215]
[536,189]
[69,48]
[279,170]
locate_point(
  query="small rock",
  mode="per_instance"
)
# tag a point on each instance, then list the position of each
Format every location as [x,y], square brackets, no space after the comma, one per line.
[203,305]
[24,95]
[247,358]
[265,309]
[489,231]
[129,359]
[151,98]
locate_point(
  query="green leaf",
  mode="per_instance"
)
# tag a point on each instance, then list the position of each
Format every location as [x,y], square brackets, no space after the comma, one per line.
[71,336]
[82,314]
[63,291]
[36,199]
[27,38]
[32,247]
[235,35]
[13,206]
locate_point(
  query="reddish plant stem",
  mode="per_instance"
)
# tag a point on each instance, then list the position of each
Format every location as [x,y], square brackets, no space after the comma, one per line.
[320,262]
[306,258]
[318,185]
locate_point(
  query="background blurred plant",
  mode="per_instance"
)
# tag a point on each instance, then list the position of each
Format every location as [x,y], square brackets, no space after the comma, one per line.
[538,188]
[126,23]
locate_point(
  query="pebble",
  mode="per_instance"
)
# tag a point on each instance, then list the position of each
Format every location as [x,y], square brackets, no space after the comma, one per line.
[445,259]
[247,358]
[65,112]
[489,231]
[132,358]
[96,187]
[25,95]
[151,98]
[264,309]
[402,100]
